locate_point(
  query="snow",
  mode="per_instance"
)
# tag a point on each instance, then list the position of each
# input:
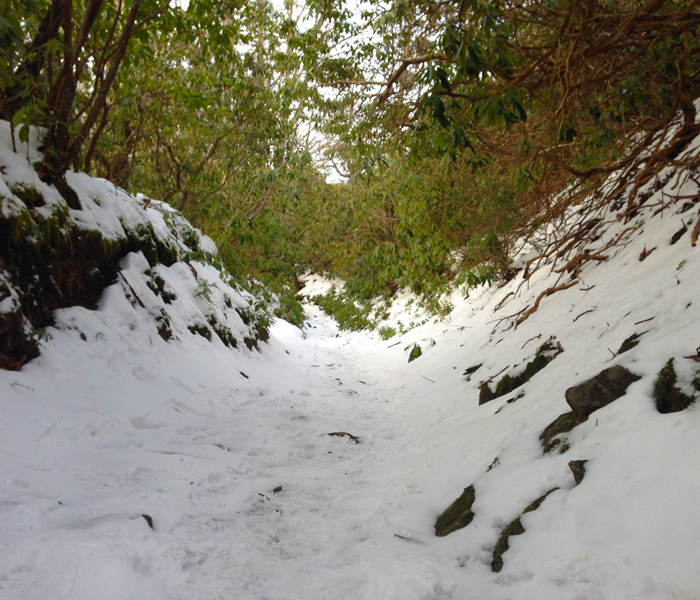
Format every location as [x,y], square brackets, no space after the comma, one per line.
[226,449]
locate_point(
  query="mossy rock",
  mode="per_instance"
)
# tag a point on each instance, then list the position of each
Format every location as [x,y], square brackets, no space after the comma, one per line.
[507,384]
[678,235]
[31,197]
[537,503]
[143,238]
[458,515]
[56,265]
[599,391]
[485,394]
[224,333]
[200,329]
[669,397]
[53,263]
[515,527]
[545,354]
[17,345]
[191,239]
[562,424]
[164,326]
[158,286]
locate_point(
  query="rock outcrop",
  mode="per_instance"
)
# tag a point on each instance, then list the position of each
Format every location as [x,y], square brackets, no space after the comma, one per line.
[599,391]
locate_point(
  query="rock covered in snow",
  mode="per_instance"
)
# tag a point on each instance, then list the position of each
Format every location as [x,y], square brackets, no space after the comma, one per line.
[599,391]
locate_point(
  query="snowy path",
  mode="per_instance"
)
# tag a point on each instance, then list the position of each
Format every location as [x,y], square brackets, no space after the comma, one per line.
[94,434]
[201,447]
[302,541]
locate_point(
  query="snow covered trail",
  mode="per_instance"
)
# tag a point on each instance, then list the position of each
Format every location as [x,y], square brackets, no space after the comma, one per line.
[226,453]
[302,540]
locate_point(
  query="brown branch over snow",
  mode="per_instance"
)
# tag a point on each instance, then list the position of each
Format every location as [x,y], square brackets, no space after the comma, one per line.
[389,84]
[547,292]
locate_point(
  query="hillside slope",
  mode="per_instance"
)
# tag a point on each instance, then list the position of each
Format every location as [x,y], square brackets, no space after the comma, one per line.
[142,467]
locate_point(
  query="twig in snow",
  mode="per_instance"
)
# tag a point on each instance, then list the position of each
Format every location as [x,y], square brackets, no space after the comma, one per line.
[22,385]
[430,380]
[490,379]
[136,296]
[537,337]
[194,271]
[695,234]
[696,357]
[502,302]
[544,294]
[354,438]
[584,313]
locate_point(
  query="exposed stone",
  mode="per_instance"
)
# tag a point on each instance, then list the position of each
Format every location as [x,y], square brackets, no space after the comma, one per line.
[18,346]
[578,468]
[562,424]
[508,383]
[458,515]
[485,394]
[354,438]
[599,391]
[164,326]
[546,354]
[514,528]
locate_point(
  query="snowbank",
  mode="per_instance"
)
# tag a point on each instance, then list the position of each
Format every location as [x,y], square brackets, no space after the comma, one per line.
[136,259]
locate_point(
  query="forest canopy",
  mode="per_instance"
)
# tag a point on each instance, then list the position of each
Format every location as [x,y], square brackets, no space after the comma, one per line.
[393,144]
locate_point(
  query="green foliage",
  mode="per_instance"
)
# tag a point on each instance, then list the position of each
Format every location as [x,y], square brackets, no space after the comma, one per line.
[386,332]
[234,112]
[288,306]
[349,314]
[58,67]
[416,351]
[669,397]
[204,290]
[212,119]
